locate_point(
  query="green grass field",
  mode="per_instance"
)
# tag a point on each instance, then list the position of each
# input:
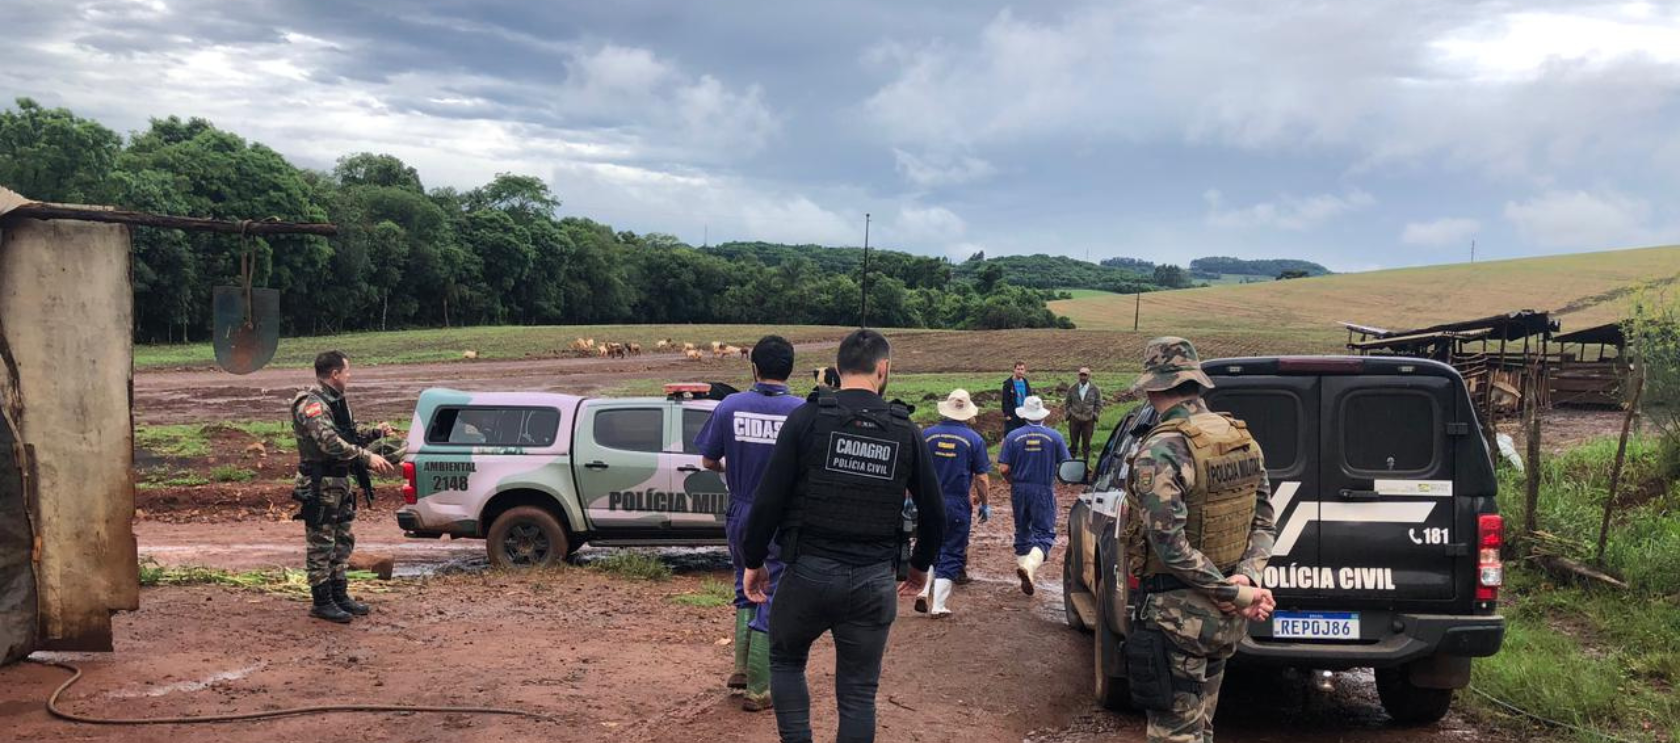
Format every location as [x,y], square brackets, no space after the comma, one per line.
[1585,289]
[490,342]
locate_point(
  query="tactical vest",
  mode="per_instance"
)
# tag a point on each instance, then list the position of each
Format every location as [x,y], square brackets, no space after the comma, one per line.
[1220,506]
[308,450]
[857,470]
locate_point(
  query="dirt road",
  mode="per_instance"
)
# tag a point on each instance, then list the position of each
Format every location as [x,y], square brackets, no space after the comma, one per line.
[609,659]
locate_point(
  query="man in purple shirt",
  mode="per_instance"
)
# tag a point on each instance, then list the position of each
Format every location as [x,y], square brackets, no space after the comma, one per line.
[737,441]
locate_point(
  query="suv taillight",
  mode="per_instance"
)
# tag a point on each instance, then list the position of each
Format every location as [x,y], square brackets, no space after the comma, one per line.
[411,494]
[1490,571]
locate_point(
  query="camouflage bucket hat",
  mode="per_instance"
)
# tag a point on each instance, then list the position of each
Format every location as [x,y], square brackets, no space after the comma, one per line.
[1169,362]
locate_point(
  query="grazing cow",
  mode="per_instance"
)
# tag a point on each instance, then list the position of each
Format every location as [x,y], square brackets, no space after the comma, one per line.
[694,355]
[635,349]
[469,355]
[716,346]
[688,347]
[601,351]
[662,345]
[745,352]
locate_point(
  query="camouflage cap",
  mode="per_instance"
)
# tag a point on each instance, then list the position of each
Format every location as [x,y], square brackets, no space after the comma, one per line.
[1169,362]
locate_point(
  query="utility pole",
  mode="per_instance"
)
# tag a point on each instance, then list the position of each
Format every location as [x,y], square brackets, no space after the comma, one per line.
[863,304]
[1472,250]
[1137,311]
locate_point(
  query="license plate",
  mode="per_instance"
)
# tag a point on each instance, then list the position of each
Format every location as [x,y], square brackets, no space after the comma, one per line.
[1316,625]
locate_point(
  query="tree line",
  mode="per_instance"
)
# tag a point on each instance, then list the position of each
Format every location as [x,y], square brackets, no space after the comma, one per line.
[408,256]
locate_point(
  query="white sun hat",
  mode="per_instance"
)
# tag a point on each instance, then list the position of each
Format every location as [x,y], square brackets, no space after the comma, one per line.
[1033,409]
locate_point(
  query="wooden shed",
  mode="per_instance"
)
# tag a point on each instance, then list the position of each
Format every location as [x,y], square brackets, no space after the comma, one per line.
[1590,367]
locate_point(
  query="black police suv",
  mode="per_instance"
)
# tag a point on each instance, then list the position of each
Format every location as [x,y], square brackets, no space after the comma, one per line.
[1388,541]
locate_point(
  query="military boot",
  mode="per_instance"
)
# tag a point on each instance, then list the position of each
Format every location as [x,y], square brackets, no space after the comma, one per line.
[758,673]
[341,596]
[324,608]
[743,638]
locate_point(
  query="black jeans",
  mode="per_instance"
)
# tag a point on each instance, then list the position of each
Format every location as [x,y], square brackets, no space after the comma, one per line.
[857,604]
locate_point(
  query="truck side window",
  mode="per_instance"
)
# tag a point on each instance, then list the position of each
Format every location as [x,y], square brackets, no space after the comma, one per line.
[493,426]
[1273,417]
[1110,462]
[631,429]
[1389,431]
[693,421]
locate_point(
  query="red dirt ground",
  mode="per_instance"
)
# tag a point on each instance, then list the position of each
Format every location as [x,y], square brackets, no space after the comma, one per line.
[610,659]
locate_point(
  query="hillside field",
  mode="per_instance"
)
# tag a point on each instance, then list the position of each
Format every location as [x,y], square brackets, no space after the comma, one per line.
[1584,289]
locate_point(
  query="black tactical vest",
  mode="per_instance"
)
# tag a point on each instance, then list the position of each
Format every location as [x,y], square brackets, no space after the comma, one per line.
[857,469]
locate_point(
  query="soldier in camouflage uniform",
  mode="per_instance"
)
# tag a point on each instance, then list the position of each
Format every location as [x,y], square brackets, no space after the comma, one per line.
[1199,529]
[330,449]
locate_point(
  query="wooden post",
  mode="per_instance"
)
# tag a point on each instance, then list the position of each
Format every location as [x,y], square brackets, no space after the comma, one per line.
[1137,311]
[1616,469]
[1531,470]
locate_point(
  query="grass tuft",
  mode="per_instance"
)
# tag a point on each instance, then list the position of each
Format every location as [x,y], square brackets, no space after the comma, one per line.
[635,565]
[290,583]
[712,593]
[231,473]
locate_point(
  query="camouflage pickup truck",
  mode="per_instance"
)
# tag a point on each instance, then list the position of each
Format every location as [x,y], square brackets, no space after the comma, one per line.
[537,474]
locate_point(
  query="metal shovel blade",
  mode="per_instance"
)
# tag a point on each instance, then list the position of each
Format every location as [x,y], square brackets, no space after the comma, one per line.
[243,347]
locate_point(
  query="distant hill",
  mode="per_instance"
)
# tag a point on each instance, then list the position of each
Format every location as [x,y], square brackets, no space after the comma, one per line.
[1582,289]
[1059,271]
[1213,267]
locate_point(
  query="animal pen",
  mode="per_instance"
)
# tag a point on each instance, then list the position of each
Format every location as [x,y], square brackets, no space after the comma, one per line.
[1505,359]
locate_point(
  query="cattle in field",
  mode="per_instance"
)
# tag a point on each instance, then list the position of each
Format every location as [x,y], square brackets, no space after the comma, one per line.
[688,347]
[662,345]
[694,355]
[635,349]
[746,352]
[469,355]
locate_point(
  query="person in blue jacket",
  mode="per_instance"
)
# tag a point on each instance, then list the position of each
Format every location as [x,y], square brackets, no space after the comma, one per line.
[1016,390]
[961,462]
[737,440]
[1028,460]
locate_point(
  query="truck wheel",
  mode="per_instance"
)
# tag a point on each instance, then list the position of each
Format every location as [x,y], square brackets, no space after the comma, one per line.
[1069,586]
[1408,703]
[526,537]
[1110,688]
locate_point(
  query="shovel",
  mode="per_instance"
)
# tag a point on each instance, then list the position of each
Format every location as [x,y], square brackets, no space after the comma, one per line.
[247,323]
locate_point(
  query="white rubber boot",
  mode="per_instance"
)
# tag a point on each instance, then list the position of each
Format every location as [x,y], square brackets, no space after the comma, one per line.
[941,594]
[1024,569]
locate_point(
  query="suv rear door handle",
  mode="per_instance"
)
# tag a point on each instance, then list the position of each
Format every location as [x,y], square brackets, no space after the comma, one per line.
[688,468]
[596,465]
[1358,494]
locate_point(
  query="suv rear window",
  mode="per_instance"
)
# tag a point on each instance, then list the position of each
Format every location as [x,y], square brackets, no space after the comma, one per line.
[1389,431]
[631,429]
[494,426]
[1273,417]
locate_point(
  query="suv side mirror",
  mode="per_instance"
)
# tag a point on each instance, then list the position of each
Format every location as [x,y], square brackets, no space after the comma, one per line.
[1073,471]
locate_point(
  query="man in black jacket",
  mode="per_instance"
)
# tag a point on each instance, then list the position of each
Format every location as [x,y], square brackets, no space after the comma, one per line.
[832,497]
[1016,390]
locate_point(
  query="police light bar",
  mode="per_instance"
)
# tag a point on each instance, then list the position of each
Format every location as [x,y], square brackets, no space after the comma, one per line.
[695,389]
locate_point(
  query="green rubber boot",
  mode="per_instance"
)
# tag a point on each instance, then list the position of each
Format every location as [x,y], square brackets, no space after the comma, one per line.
[758,674]
[743,617]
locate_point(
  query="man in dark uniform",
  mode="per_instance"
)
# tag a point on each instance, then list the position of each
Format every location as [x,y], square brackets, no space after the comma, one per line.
[832,497]
[960,460]
[330,448]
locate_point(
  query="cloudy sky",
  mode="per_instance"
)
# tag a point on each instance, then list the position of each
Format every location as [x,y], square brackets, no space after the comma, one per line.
[1360,134]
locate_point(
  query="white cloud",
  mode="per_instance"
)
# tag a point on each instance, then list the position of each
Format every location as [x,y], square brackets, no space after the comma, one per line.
[941,169]
[614,103]
[695,203]
[1287,212]
[1582,220]
[1440,232]
[1382,83]
[923,226]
